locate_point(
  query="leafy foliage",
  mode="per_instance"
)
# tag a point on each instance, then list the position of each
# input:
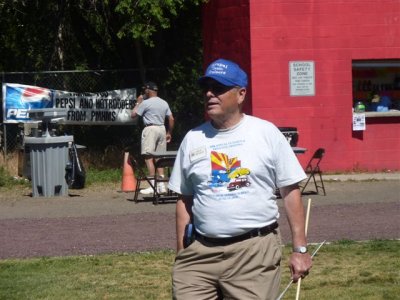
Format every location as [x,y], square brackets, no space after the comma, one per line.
[159,38]
[146,17]
[187,103]
[81,34]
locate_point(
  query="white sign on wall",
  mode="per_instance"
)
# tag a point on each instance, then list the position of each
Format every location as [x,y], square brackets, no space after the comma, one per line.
[359,122]
[302,78]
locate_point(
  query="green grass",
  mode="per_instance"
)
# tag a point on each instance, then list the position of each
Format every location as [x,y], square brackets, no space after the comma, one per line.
[102,176]
[8,181]
[343,270]
[124,276]
[93,176]
[350,270]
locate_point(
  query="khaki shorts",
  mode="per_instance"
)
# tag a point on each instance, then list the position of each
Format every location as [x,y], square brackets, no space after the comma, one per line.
[245,270]
[153,139]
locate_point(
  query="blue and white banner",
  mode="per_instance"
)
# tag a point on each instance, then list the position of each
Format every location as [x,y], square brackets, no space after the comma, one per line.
[103,108]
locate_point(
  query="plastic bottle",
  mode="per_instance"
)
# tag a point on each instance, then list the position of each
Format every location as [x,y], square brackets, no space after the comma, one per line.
[360,107]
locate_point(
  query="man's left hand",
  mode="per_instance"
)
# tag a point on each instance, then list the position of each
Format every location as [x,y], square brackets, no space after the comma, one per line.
[299,265]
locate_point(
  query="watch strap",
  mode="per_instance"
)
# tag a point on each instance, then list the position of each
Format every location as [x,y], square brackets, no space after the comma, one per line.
[300,249]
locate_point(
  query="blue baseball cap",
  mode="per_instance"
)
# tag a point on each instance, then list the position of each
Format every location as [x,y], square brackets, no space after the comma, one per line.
[225,72]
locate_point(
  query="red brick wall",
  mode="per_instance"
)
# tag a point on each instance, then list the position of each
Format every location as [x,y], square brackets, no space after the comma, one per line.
[332,34]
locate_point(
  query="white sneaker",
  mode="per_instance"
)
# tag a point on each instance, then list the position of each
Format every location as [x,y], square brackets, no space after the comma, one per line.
[161,189]
[147,191]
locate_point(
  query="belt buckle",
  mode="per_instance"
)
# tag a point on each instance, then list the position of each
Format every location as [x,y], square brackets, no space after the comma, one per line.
[255,232]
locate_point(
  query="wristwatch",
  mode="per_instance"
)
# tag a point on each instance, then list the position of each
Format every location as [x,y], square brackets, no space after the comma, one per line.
[300,249]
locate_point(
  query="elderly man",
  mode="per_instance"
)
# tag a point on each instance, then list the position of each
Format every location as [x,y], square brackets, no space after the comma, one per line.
[226,172]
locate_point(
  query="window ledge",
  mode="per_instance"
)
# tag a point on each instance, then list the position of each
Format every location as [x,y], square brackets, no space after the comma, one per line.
[375,114]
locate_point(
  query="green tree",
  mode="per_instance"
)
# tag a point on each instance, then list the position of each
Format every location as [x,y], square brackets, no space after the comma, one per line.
[161,38]
[57,35]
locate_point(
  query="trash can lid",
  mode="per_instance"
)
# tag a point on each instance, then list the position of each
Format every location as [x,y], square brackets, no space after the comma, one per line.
[49,139]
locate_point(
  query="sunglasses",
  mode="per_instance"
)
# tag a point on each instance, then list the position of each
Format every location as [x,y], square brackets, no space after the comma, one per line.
[215,88]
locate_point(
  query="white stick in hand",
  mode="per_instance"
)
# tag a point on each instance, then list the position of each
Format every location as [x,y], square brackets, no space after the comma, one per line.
[291,281]
[306,228]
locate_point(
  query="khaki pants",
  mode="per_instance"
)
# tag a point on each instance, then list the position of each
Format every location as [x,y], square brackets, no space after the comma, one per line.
[245,270]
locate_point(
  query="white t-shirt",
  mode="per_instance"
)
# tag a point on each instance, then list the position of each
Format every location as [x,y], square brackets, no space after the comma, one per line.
[233,175]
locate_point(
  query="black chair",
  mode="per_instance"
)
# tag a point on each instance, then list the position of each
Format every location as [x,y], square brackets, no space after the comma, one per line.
[313,169]
[140,175]
[164,162]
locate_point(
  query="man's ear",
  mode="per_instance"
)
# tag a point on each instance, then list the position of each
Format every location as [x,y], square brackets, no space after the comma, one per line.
[241,95]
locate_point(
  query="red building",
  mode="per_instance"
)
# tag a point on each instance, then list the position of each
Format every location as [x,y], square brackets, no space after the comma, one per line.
[309,62]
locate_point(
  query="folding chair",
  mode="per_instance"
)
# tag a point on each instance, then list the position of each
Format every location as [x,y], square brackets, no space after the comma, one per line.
[312,169]
[166,163]
[140,176]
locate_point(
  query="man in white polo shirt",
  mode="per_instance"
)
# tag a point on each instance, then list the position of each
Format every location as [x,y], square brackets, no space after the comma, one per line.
[227,171]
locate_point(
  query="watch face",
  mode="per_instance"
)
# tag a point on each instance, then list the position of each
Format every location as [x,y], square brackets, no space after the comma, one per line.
[301,249]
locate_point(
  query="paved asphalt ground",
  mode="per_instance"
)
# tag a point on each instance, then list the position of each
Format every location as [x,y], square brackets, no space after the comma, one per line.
[102,220]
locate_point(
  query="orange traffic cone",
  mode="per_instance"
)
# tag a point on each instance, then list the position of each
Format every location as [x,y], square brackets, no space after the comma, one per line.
[129,180]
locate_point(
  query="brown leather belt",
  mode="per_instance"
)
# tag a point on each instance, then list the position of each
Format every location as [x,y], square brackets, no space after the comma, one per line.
[230,240]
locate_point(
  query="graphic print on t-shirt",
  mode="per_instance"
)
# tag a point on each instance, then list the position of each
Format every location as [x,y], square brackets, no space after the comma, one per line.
[227,172]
